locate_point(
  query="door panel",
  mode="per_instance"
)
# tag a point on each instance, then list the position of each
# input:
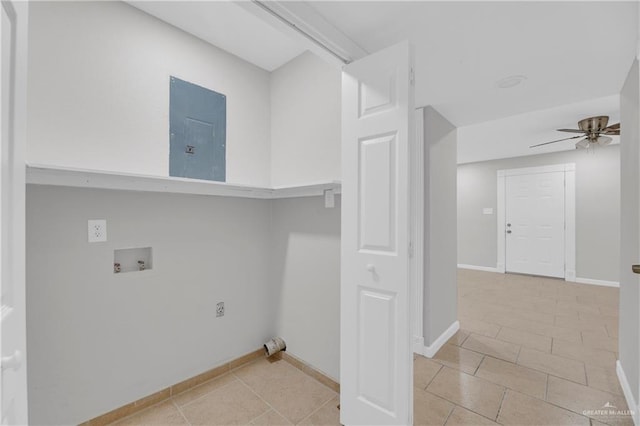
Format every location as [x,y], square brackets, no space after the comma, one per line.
[13,30]
[376,346]
[535,224]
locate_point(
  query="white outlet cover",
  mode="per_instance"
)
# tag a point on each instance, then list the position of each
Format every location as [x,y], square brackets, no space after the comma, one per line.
[97,230]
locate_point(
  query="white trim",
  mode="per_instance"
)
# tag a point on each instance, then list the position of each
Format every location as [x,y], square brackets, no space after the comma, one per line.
[310,29]
[418,345]
[597,282]
[416,259]
[431,350]
[500,217]
[628,395]
[569,170]
[62,176]
[479,268]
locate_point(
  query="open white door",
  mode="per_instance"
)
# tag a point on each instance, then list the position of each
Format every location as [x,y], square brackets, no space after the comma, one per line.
[376,357]
[13,39]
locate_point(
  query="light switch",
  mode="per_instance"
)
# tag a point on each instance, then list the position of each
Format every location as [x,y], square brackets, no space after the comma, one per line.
[487,210]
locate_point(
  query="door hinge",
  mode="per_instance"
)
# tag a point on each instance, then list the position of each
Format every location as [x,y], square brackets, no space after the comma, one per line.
[412,77]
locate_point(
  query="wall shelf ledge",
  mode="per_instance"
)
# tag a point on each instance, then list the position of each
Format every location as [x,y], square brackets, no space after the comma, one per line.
[38,174]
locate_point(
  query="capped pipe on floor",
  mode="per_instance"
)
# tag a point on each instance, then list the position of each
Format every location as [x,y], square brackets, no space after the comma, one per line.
[274,346]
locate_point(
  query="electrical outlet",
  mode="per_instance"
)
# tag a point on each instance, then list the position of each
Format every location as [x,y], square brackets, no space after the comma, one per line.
[220,309]
[97,231]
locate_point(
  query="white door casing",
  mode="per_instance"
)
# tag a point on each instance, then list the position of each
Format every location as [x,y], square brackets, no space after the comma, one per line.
[13,50]
[534,239]
[376,357]
[560,259]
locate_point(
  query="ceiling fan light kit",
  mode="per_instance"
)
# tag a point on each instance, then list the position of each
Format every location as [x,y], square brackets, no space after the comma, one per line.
[591,129]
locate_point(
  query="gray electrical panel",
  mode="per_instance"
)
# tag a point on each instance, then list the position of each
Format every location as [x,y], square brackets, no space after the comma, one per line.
[198,131]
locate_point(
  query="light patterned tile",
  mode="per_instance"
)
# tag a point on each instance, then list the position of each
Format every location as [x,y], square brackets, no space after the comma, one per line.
[165,413]
[429,409]
[495,348]
[524,338]
[458,358]
[271,418]
[584,399]
[296,395]
[516,377]
[471,392]
[553,364]
[578,351]
[463,417]
[233,404]
[424,370]
[327,415]
[520,409]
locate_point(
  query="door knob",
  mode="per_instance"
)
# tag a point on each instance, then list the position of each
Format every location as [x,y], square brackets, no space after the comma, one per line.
[508,224]
[635,269]
[508,231]
[12,362]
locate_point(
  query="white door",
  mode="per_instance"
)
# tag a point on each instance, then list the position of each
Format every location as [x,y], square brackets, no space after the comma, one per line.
[376,364]
[534,224]
[13,33]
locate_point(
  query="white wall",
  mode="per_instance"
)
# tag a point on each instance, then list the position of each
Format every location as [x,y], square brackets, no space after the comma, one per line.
[305,121]
[440,269]
[99,91]
[98,340]
[305,272]
[511,136]
[630,232]
[597,209]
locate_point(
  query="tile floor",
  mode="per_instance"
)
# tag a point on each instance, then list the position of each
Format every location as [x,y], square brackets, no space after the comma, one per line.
[531,351]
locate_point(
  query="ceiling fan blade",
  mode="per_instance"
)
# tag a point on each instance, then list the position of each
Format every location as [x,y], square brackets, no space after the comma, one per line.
[571,130]
[613,127]
[559,140]
[614,132]
[584,143]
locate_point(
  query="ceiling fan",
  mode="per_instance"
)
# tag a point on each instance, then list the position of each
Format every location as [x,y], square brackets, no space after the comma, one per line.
[592,130]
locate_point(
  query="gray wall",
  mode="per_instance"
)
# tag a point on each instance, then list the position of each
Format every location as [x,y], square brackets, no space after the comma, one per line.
[98,340]
[597,209]
[305,272]
[630,231]
[440,280]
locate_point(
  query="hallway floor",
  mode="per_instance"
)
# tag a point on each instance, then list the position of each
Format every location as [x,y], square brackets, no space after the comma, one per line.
[530,351]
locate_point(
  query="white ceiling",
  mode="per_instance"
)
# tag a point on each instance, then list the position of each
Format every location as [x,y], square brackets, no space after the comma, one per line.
[229,27]
[569,51]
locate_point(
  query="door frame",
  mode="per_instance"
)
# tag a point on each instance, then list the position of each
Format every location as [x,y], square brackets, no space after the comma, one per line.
[569,170]
[416,234]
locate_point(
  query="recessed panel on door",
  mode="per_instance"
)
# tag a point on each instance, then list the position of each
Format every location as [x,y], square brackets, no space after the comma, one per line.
[376,347]
[377,193]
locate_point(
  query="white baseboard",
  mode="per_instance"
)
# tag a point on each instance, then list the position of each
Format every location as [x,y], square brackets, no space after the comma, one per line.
[431,350]
[597,282]
[477,268]
[628,395]
[418,344]
[570,276]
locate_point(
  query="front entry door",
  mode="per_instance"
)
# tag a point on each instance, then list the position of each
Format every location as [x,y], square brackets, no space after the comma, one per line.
[376,361]
[535,228]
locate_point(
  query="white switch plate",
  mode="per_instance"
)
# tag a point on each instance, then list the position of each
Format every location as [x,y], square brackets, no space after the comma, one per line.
[329,198]
[487,210]
[97,230]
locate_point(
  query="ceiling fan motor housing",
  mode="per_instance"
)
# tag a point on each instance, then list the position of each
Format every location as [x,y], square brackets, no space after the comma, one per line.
[594,124]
